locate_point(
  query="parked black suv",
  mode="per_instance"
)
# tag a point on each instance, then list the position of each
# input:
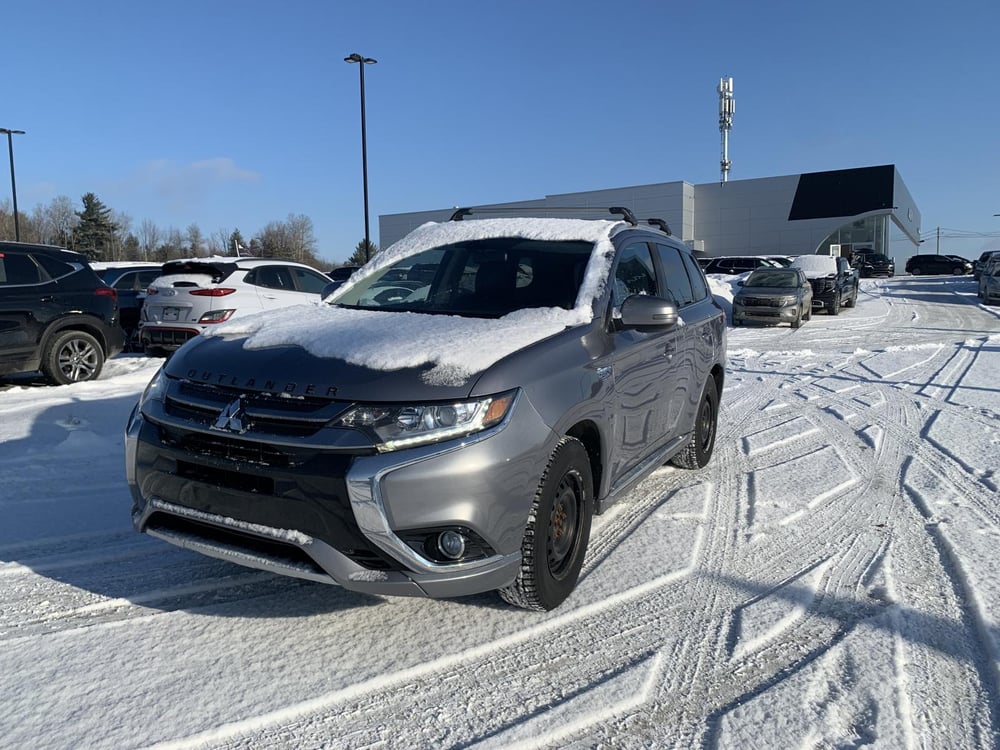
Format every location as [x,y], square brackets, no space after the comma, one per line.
[876,264]
[937,264]
[56,315]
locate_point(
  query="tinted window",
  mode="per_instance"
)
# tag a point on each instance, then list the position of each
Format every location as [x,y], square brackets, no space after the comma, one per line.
[54,268]
[634,274]
[309,281]
[18,269]
[699,287]
[675,276]
[271,277]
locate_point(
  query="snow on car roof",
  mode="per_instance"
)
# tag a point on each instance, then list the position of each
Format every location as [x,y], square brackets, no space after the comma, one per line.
[456,348]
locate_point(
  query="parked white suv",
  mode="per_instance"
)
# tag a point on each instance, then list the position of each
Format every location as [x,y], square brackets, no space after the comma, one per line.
[192,295]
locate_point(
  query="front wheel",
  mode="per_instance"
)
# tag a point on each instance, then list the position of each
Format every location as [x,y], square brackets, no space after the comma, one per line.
[957,271]
[698,451]
[915,272]
[557,532]
[834,307]
[73,357]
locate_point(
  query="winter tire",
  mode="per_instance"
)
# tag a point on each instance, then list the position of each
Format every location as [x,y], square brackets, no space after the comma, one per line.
[915,272]
[798,319]
[698,451]
[807,315]
[834,306]
[73,357]
[957,271]
[557,532]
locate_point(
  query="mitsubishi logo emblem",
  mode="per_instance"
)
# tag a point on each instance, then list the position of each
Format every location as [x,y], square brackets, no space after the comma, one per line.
[231,418]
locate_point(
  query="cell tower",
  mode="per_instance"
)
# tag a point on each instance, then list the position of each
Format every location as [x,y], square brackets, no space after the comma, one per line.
[727,105]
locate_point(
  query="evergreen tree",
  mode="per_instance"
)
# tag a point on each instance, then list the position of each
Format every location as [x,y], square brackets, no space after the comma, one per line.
[361,254]
[94,233]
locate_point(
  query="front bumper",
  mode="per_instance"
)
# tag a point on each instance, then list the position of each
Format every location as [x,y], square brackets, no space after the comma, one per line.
[765,313]
[340,516]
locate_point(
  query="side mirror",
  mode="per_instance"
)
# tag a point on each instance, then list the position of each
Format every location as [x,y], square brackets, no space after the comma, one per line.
[739,283]
[646,312]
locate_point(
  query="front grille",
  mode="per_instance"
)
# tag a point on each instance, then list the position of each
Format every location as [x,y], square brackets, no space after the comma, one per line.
[203,444]
[761,301]
[822,286]
[261,412]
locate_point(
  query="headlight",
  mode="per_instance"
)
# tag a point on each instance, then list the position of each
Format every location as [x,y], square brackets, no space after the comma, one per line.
[155,390]
[786,301]
[396,426]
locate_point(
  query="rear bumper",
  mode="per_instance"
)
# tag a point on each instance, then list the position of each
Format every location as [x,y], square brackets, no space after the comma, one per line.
[168,338]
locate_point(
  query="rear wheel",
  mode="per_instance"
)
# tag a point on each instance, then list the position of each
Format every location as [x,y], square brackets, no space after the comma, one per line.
[73,357]
[557,532]
[698,451]
[915,272]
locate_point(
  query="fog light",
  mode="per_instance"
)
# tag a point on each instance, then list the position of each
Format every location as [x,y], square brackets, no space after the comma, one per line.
[451,544]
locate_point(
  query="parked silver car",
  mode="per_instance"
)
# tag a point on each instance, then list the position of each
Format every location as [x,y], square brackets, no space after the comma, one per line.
[773,295]
[453,438]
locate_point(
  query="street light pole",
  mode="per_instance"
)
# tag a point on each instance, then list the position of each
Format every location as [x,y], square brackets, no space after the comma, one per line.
[13,186]
[356,58]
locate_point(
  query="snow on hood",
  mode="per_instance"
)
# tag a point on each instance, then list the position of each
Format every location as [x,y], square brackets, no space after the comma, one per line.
[815,266]
[456,348]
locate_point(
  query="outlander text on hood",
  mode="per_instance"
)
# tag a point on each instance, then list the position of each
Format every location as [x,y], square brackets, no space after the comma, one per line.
[449,420]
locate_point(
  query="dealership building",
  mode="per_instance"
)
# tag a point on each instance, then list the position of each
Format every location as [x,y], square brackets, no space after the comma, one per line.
[860,208]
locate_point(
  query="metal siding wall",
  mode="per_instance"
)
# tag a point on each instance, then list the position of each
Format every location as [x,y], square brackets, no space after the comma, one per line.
[742,217]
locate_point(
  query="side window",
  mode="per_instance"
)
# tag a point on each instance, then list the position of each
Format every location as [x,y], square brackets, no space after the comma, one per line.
[675,276]
[16,270]
[634,273]
[699,287]
[126,282]
[271,277]
[308,281]
[56,269]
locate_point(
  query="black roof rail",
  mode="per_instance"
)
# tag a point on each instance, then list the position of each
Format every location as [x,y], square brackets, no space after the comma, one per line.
[460,213]
[661,224]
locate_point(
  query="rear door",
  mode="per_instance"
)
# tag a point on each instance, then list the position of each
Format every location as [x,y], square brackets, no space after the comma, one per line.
[283,285]
[680,279]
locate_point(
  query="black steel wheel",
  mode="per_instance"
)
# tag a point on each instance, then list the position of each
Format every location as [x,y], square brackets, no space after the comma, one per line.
[698,451]
[73,357]
[557,532]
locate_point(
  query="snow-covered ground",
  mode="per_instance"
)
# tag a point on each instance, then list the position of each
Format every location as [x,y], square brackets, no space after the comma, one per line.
[831,579]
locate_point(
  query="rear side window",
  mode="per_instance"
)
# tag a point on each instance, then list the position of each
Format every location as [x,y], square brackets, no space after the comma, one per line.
[55,268]
[699,287]
[271,277]
[675,276]
[17,269]
[136,280]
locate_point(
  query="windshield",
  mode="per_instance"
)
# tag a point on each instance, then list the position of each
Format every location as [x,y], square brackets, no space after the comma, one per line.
[772,278]
[480,278]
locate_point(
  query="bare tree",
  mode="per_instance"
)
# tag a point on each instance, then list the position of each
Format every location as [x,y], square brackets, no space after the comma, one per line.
[149,239]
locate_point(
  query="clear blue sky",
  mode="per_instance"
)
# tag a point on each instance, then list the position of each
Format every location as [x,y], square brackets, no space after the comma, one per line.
[235,114]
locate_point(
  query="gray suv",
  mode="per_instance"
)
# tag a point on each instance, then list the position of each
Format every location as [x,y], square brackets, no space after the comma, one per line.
[453,437]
